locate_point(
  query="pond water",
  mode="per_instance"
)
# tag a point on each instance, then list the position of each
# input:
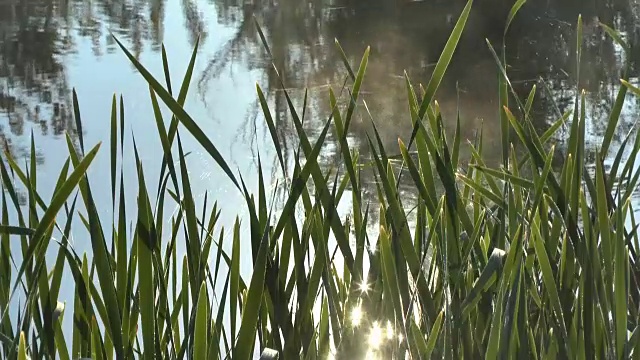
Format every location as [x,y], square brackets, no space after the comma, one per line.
[50,47]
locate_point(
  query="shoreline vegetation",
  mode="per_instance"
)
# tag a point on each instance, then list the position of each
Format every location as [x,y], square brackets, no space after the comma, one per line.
[524,260]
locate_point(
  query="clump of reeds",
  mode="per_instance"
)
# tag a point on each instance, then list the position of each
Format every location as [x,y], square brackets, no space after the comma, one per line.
[520,261]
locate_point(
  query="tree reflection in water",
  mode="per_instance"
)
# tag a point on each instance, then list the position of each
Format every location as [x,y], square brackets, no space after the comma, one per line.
[410,36]
[36,39]
[35,35]
[403,35]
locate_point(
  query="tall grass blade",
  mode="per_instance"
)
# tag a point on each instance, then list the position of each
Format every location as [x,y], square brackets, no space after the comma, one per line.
[147,238]
[235,277]
[181,115]
[182,96]
[114,149]
[614,115]
[354,94]
[550,285]
[512,14]
[441,67]
[390,275]
[76,116]
[45,223]
[22,348]
[244,344]
[345,60]
[272,128]
[164,140]
[201,334]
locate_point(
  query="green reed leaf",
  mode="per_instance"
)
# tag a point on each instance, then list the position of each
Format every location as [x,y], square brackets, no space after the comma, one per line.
[59,198]
[145,233]
[181,115]
[201,334]
[15,230]
[512,14]
[550,285]
[390,275]
[441,67]
[114,150]
[235,276]
[272,128]
[433,335]
[22,347]
[244,344]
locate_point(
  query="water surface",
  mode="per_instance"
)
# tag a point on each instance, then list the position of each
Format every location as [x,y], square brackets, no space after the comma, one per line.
[49,48]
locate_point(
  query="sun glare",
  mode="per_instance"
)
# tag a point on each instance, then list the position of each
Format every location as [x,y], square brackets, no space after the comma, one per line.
[376,336]
[356,316]
[389,330]
[364,287]
[371,355]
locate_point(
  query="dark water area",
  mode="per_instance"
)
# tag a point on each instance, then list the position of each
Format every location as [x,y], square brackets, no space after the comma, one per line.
[49,48]
[409,36]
